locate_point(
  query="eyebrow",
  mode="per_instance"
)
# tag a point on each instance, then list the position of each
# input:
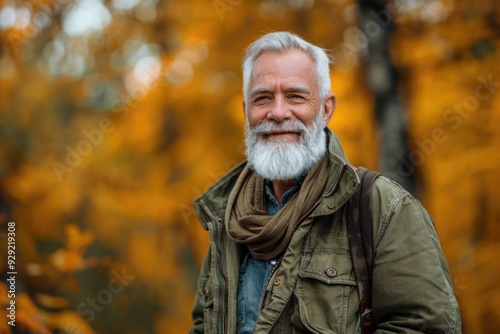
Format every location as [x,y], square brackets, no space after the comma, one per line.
[293,89]
[259,90]
[298,89]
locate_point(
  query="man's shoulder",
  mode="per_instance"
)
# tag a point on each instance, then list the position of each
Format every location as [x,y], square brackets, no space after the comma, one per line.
[387,190]
[387,196]
[390,201]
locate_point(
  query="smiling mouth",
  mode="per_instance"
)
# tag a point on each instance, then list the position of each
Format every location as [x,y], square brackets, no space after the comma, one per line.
[281,135]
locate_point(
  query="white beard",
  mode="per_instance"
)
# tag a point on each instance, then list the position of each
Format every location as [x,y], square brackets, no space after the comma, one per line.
[282,160]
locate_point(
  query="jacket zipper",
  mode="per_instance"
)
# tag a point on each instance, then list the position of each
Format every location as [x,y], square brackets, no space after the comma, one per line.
[224,293]
[221,276]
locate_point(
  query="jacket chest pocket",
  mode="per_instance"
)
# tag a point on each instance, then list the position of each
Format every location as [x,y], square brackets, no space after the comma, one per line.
[325,297]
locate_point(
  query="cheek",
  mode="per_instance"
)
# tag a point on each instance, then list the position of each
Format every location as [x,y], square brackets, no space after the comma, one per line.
[307,116]
[256,116]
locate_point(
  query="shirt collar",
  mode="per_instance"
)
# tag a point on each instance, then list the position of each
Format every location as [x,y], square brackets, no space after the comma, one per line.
[272,204]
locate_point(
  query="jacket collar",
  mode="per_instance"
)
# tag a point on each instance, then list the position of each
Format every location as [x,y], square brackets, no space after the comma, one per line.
[341,184]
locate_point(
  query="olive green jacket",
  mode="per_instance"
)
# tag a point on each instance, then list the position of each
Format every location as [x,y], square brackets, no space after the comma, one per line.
[313,290]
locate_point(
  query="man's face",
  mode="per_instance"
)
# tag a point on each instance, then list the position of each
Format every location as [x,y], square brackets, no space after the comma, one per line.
[285,117]
[283,86]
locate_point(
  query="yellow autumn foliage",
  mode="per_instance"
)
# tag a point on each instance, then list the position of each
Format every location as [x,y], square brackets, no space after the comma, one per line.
[107,135]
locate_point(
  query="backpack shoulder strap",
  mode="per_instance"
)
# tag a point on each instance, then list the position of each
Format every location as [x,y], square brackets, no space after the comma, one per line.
[360,231]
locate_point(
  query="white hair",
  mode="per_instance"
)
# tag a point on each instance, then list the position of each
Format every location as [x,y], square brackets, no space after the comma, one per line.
[280,42]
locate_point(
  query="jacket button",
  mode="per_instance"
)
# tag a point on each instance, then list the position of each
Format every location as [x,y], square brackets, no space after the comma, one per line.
[331,272]
[276,282]
[331,205]
[354,183]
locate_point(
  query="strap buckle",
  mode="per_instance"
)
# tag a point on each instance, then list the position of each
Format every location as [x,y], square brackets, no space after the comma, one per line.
[367,321]
[367,318]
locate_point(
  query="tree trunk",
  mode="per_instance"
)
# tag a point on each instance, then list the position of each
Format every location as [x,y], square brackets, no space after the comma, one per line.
[376,22]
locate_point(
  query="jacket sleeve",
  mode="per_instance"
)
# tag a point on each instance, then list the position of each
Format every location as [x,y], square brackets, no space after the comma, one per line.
[197,312]
[412,290]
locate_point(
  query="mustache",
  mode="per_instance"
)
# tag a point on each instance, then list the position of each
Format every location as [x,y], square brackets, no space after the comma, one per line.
[268,127]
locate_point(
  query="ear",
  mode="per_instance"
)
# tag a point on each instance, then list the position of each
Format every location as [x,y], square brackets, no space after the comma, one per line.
[329,106]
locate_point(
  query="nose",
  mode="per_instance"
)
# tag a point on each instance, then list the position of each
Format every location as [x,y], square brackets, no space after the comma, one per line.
[280,110]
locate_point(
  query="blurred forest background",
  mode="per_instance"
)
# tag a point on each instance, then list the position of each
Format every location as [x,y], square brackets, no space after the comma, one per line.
[116,114]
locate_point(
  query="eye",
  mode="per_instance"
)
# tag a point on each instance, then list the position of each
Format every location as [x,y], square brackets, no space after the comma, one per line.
[261,99]
[296,97]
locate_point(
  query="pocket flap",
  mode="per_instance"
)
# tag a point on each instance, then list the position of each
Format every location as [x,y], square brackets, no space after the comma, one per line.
[329,267]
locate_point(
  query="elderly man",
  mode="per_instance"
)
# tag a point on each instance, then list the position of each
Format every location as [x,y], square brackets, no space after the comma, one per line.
[279,258]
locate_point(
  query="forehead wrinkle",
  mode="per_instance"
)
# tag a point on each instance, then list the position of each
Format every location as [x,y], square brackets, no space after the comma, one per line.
[286,72]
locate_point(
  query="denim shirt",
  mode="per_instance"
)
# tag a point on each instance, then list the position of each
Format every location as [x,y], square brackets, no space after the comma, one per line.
[254,273]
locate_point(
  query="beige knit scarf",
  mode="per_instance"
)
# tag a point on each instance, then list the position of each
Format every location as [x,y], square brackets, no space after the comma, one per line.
[247,221]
